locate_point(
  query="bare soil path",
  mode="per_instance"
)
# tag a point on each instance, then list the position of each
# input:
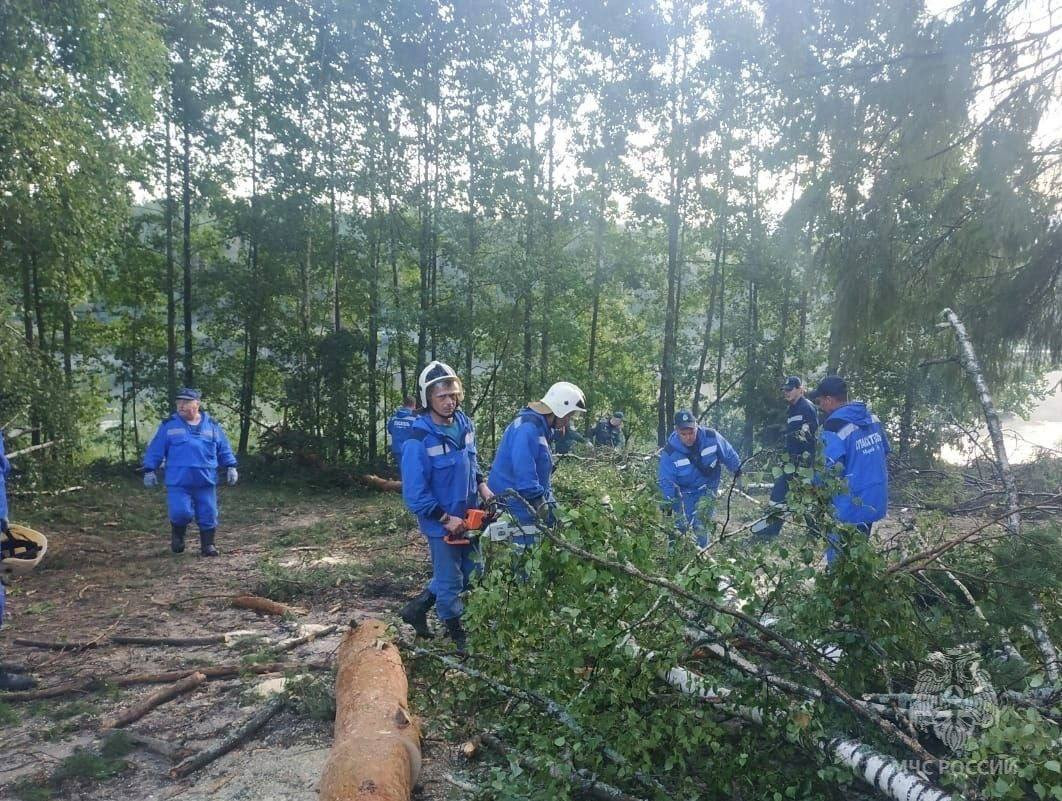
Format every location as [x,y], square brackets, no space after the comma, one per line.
[337,554]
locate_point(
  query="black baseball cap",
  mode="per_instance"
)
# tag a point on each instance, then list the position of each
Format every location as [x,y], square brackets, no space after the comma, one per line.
[832,385]
[792,382]
[685,419]
[618,415]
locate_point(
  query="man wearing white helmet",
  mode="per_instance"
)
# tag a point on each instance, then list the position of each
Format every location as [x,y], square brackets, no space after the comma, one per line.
[441,481]
[524,463]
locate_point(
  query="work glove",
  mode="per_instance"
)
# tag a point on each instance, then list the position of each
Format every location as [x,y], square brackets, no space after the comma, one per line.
[231,476]
[150,479]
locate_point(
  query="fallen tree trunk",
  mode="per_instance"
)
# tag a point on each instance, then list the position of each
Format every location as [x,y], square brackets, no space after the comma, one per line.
[968,359]
[138,710]
[243,733]
[878,770]
[56,645]
[376,753]
[126,639]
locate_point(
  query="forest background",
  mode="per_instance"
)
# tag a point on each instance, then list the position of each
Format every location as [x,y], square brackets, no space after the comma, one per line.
[294,205]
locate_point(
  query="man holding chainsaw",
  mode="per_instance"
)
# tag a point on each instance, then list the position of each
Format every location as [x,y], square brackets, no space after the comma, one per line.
[524,464]
[193,446]
[690,468]
[441,482]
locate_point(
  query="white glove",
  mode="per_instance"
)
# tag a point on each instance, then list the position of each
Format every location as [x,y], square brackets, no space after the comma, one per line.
[231,477]
[150,479]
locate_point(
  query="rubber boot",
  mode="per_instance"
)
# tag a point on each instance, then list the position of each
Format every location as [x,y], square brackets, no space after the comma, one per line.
[415,613]
[177,538]
[206,542]
[14,682]
[457,634]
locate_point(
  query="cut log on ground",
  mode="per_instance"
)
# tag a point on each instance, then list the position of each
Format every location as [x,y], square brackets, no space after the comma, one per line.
[382,484]
[376,753]
[244,732]
[180,642]
[157,698]
[261,605]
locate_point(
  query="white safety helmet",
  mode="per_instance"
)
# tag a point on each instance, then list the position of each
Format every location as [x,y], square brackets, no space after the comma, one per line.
[22,550]
[435,373]
[564,398]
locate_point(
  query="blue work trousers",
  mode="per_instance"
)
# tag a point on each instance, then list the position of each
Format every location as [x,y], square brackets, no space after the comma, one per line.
[452,568]
[833,550]
[193,503]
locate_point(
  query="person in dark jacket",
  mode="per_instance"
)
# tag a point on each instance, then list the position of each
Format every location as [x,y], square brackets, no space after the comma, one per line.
[690,468]
[194,447]
[801,423]
[608,432]
[441,481]
[399,425]
[854,447]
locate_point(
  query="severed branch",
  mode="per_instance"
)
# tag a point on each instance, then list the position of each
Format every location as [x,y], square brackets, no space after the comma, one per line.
[156,745]
[125,680]
[581,780]
[241,734]
[293,643]
[138,710]
[32,448]
[261,605]
[795,653]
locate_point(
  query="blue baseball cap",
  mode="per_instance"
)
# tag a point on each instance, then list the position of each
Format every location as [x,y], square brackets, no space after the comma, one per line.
[685,419]
[792,382]
[187,393]
[832,385]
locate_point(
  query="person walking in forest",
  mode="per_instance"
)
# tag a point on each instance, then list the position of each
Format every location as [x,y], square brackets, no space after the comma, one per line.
[854,447]
[11,677]
[608,433]
[523,462]
[193,447]
[441,481]
[801,423]
[689,471]
[399,425]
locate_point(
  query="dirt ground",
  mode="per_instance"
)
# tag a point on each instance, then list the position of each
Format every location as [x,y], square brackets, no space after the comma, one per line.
[336,554]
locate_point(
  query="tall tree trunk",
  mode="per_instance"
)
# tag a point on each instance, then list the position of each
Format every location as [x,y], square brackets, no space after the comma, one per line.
[27,301]
[551,201]
[171,300]
[372,356]
[257,292]
[720,251]
[68,324]
[423,244]
[38,302]
[333,219]
[473,246]
[530,201]
[722,347]
[750,364]
[595,309]
[186,254]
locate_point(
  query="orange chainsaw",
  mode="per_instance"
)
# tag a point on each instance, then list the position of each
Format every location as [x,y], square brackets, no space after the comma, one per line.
[475,520]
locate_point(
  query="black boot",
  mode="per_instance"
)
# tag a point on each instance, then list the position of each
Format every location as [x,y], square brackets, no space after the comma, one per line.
[14,682]
[457,634]
[206,542]
[177,538]
[415,613]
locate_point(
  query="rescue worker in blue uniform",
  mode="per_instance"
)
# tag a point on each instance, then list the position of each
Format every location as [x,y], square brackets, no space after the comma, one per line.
[801,423]
[399,425]
[564,442]
[690,467]
[193,446]
[11,678]
[524,462]
[854,447]
[441,481]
